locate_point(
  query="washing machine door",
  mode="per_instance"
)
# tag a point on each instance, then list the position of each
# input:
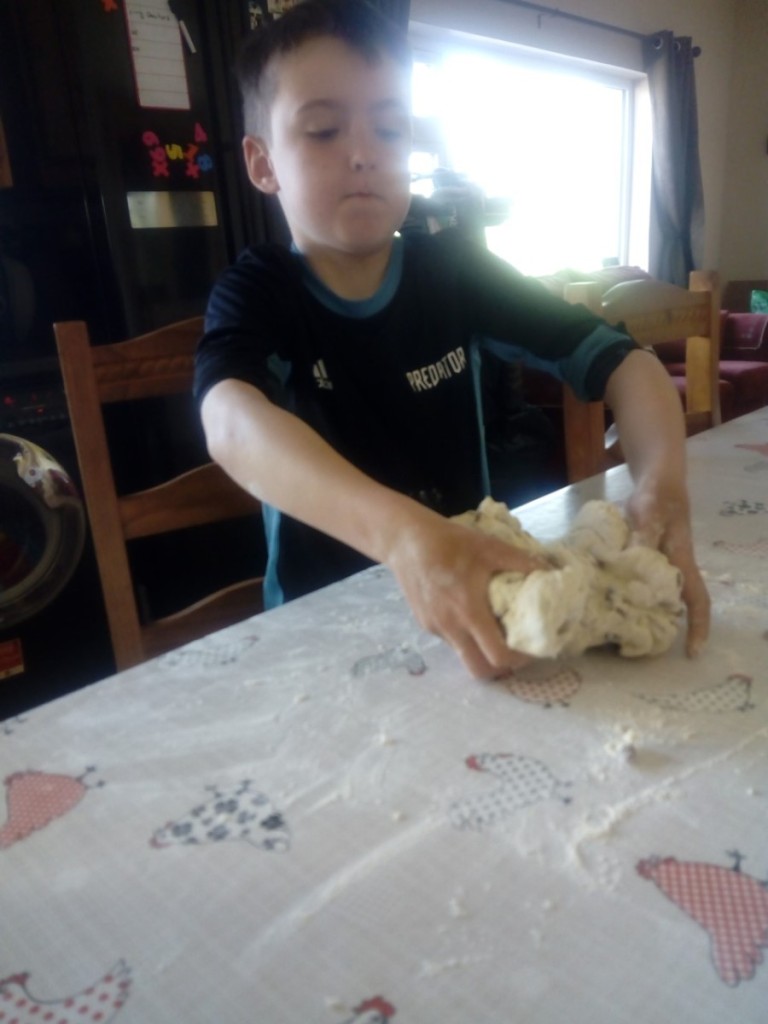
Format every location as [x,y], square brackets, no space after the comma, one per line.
[42,529]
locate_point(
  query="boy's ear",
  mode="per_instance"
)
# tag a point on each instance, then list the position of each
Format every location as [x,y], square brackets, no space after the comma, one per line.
[259,164]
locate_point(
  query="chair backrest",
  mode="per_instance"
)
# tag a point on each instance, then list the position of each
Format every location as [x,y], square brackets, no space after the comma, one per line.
[160,363]
[652,312]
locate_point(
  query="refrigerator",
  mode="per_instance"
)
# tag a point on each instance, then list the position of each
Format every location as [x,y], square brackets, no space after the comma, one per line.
[122,196]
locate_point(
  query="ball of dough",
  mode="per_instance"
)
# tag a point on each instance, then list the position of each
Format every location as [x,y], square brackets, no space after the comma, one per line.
[602,589]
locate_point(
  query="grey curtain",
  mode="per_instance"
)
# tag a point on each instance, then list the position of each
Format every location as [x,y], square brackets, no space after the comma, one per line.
[677,199]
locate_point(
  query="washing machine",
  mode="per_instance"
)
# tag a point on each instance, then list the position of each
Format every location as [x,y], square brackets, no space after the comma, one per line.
[53,631]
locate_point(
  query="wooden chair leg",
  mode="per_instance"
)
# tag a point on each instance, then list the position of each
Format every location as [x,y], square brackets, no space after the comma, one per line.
[584,428]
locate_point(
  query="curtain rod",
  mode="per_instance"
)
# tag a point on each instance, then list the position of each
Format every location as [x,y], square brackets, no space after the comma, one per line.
[557,13]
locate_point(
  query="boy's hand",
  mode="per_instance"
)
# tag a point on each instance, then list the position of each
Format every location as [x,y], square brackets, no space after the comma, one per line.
[659,513]
[444,570]
[649,416]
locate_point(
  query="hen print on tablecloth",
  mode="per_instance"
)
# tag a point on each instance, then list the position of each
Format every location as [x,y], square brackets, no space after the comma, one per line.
[396,657]
[239,812]
[544,684]
[523,781]
[207,654]
[751,549]
[97,1004]
[732,694]
[730,905]
[9,725]
[34,799]
[761,449]
[743,507]
[762,463]
[372,1011]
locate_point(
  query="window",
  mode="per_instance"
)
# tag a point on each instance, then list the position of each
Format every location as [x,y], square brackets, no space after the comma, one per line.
[566,145]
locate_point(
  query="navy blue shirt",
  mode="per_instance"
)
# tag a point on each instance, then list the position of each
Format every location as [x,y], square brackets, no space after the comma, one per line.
[390,382]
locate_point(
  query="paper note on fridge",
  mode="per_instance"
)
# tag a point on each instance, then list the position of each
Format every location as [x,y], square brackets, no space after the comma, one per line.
[158,55]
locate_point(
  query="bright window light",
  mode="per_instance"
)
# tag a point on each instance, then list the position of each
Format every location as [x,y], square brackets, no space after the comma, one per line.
[556,143]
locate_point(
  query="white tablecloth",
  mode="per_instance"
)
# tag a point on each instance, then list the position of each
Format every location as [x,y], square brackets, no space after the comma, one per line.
[318,816]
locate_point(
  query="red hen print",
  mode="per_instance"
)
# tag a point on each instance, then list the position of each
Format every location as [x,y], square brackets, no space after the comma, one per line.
[730,905]
[761,449]
[522,781]
[372,1011]
[34,799]
[98,1004]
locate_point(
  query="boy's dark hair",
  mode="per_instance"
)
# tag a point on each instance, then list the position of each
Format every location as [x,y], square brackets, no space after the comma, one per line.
[354,22]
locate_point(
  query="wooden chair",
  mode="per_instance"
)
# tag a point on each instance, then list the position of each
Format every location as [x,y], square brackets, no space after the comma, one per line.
[156,364]
[652,312]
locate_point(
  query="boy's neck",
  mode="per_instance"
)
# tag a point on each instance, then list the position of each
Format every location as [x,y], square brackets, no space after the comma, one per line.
[352,276]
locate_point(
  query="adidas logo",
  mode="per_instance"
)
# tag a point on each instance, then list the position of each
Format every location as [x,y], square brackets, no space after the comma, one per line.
[320,374]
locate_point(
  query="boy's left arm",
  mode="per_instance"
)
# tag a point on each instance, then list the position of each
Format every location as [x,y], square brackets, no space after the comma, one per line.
[651,425]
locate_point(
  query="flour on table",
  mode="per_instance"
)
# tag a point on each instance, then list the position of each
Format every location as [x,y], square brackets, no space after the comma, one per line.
[603,587]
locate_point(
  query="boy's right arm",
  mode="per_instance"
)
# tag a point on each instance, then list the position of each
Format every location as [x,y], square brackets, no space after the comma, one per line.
[443,568]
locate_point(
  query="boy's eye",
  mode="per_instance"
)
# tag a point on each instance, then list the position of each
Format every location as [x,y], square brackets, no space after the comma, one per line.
[322,133]
[389,134]
[392,131]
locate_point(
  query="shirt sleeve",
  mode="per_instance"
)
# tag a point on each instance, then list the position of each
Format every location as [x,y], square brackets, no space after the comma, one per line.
[241,338]
[516,317]
[587,368]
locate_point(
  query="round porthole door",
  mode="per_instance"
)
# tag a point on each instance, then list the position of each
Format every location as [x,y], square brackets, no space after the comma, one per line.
[42,529]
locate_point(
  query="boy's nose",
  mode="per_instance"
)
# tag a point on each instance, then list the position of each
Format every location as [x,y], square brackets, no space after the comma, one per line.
[362,153]
[362,161]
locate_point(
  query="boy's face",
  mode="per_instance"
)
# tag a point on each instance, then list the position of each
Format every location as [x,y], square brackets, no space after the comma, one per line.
[337,156]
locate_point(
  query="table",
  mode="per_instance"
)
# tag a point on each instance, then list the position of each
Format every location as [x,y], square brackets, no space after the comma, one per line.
[317,816]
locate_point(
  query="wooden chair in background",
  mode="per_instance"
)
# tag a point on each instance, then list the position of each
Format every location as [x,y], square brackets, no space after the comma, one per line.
[652,312]
[156,364]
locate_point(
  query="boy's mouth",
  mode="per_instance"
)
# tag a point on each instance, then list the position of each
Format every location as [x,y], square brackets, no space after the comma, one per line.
[360,186]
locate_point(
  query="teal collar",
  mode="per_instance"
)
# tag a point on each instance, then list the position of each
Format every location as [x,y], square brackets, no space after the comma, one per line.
[354,308]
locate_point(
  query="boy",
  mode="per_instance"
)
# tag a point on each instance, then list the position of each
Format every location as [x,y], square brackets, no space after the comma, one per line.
[335,380]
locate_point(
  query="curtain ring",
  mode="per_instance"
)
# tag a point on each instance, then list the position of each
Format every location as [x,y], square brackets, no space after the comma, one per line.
[658,43]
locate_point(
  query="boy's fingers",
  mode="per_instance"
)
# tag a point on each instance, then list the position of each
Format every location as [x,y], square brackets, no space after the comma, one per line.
[473,659]
[695,596]
[676,544]
[647,537]
[485,653]
[698,603]
[481,668]
[525,563]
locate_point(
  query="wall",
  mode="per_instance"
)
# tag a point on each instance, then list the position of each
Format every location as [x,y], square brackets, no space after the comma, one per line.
[745,202]
[732,88]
